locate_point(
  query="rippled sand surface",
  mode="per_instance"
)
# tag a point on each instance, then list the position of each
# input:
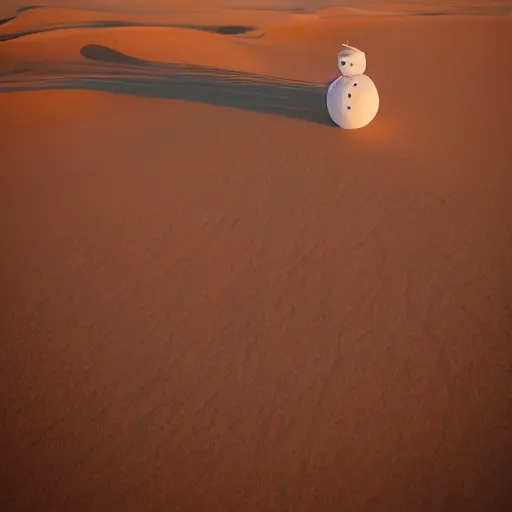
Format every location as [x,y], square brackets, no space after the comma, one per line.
[215,299]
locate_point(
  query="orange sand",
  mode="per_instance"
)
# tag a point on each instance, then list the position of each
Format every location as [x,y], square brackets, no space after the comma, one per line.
[213,299]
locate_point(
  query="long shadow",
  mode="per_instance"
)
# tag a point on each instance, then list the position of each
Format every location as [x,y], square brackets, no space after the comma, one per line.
[115,72]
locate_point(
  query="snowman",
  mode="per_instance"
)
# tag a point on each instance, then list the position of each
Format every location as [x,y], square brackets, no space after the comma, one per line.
[352,99]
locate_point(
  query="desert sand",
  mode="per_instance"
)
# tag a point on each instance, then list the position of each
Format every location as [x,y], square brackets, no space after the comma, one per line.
[213,299]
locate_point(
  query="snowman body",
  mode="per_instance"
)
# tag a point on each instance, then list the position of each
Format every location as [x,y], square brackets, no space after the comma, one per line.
[352,99]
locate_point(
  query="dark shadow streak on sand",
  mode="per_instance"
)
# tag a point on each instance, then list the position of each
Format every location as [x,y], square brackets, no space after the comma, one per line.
[223,30]
[29,8]
[6,20]
[123,74]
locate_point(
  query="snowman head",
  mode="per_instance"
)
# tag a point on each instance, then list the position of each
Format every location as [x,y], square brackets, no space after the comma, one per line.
[351,61]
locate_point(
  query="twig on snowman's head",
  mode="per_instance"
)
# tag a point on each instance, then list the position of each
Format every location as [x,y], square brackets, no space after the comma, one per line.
[352,47]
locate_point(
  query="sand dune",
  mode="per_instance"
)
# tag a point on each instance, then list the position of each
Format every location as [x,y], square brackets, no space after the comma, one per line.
[51,19]
[214,299]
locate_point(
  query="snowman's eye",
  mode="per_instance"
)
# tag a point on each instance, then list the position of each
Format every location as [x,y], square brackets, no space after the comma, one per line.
[348,107]
[349,95]
[343,62]
[355,84]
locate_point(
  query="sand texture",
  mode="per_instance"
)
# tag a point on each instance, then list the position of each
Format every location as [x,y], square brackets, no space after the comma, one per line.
[213,299]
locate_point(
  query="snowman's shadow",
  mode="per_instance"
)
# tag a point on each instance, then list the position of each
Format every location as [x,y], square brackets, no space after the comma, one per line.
[108,70]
